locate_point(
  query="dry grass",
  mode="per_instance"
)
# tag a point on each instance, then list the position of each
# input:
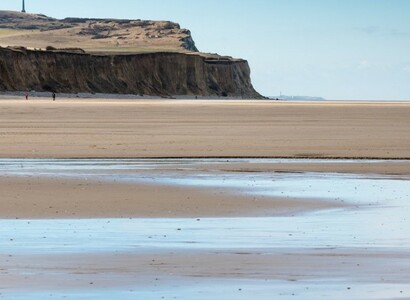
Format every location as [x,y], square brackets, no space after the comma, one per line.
[6,32]
[101,36]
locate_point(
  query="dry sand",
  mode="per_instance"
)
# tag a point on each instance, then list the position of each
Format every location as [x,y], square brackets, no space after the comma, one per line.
[183,128]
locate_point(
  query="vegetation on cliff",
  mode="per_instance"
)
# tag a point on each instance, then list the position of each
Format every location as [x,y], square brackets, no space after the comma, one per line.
[74,55]
[93,35]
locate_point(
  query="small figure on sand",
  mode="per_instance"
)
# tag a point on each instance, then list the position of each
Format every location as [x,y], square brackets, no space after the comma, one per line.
[26,96]
[54,96]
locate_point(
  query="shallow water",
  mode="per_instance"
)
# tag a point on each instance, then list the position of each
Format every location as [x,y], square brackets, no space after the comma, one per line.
[378,217]
[236,289]
[85,166]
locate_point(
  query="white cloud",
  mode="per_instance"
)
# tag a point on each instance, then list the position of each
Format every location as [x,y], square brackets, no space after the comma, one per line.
[381,31]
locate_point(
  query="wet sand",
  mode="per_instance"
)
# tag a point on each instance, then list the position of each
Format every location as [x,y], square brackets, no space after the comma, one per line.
[46,198]
[277,234]
[113,128]
[114,189]
[148,271]
[358,248]
[392,167]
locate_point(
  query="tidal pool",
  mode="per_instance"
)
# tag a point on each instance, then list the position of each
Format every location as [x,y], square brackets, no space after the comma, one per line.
[376,219]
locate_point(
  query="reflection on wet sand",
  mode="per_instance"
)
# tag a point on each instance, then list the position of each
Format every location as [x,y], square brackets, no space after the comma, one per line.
[359,250]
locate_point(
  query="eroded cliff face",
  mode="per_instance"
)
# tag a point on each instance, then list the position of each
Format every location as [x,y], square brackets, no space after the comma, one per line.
[160,74]
[156,58]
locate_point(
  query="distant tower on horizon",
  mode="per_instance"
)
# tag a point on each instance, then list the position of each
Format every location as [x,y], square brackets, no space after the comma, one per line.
[24,8]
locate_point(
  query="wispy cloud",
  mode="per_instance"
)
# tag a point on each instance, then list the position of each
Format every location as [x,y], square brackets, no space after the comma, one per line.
[364,64]
[371,30]
[406,67]
[371,65]
[381,31]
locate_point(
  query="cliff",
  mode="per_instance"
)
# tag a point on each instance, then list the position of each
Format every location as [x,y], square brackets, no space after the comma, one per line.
[159,73]
[76,55]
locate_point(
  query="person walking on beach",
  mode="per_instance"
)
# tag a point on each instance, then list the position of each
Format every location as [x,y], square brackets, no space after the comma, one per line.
[26,96]
[54,96]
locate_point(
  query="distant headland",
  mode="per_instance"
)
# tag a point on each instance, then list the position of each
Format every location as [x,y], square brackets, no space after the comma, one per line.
[113,56]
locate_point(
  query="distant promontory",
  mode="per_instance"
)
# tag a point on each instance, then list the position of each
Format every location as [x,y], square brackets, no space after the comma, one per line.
[75,55]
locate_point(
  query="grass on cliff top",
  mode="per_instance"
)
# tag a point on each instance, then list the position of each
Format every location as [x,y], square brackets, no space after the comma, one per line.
[35,39]
[131,50]
[102,38]
[6,32]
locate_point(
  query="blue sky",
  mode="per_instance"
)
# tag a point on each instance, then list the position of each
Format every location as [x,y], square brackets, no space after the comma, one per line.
[337,49]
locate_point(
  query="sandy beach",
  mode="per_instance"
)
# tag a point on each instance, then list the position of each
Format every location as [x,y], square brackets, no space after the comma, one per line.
[86,128]
[190,150]
[184,228]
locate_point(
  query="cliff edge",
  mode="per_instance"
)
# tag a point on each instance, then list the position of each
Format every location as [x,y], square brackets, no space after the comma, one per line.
[73,55]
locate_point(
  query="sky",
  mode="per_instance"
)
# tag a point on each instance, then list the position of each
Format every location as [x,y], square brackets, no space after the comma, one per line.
[336,49]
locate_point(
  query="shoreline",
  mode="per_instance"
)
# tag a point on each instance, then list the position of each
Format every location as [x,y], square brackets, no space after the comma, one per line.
[81,189]
[19,95]
[301,158]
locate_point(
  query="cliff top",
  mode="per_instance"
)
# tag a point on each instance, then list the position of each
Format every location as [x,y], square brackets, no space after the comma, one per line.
[210,58]
[36,31]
